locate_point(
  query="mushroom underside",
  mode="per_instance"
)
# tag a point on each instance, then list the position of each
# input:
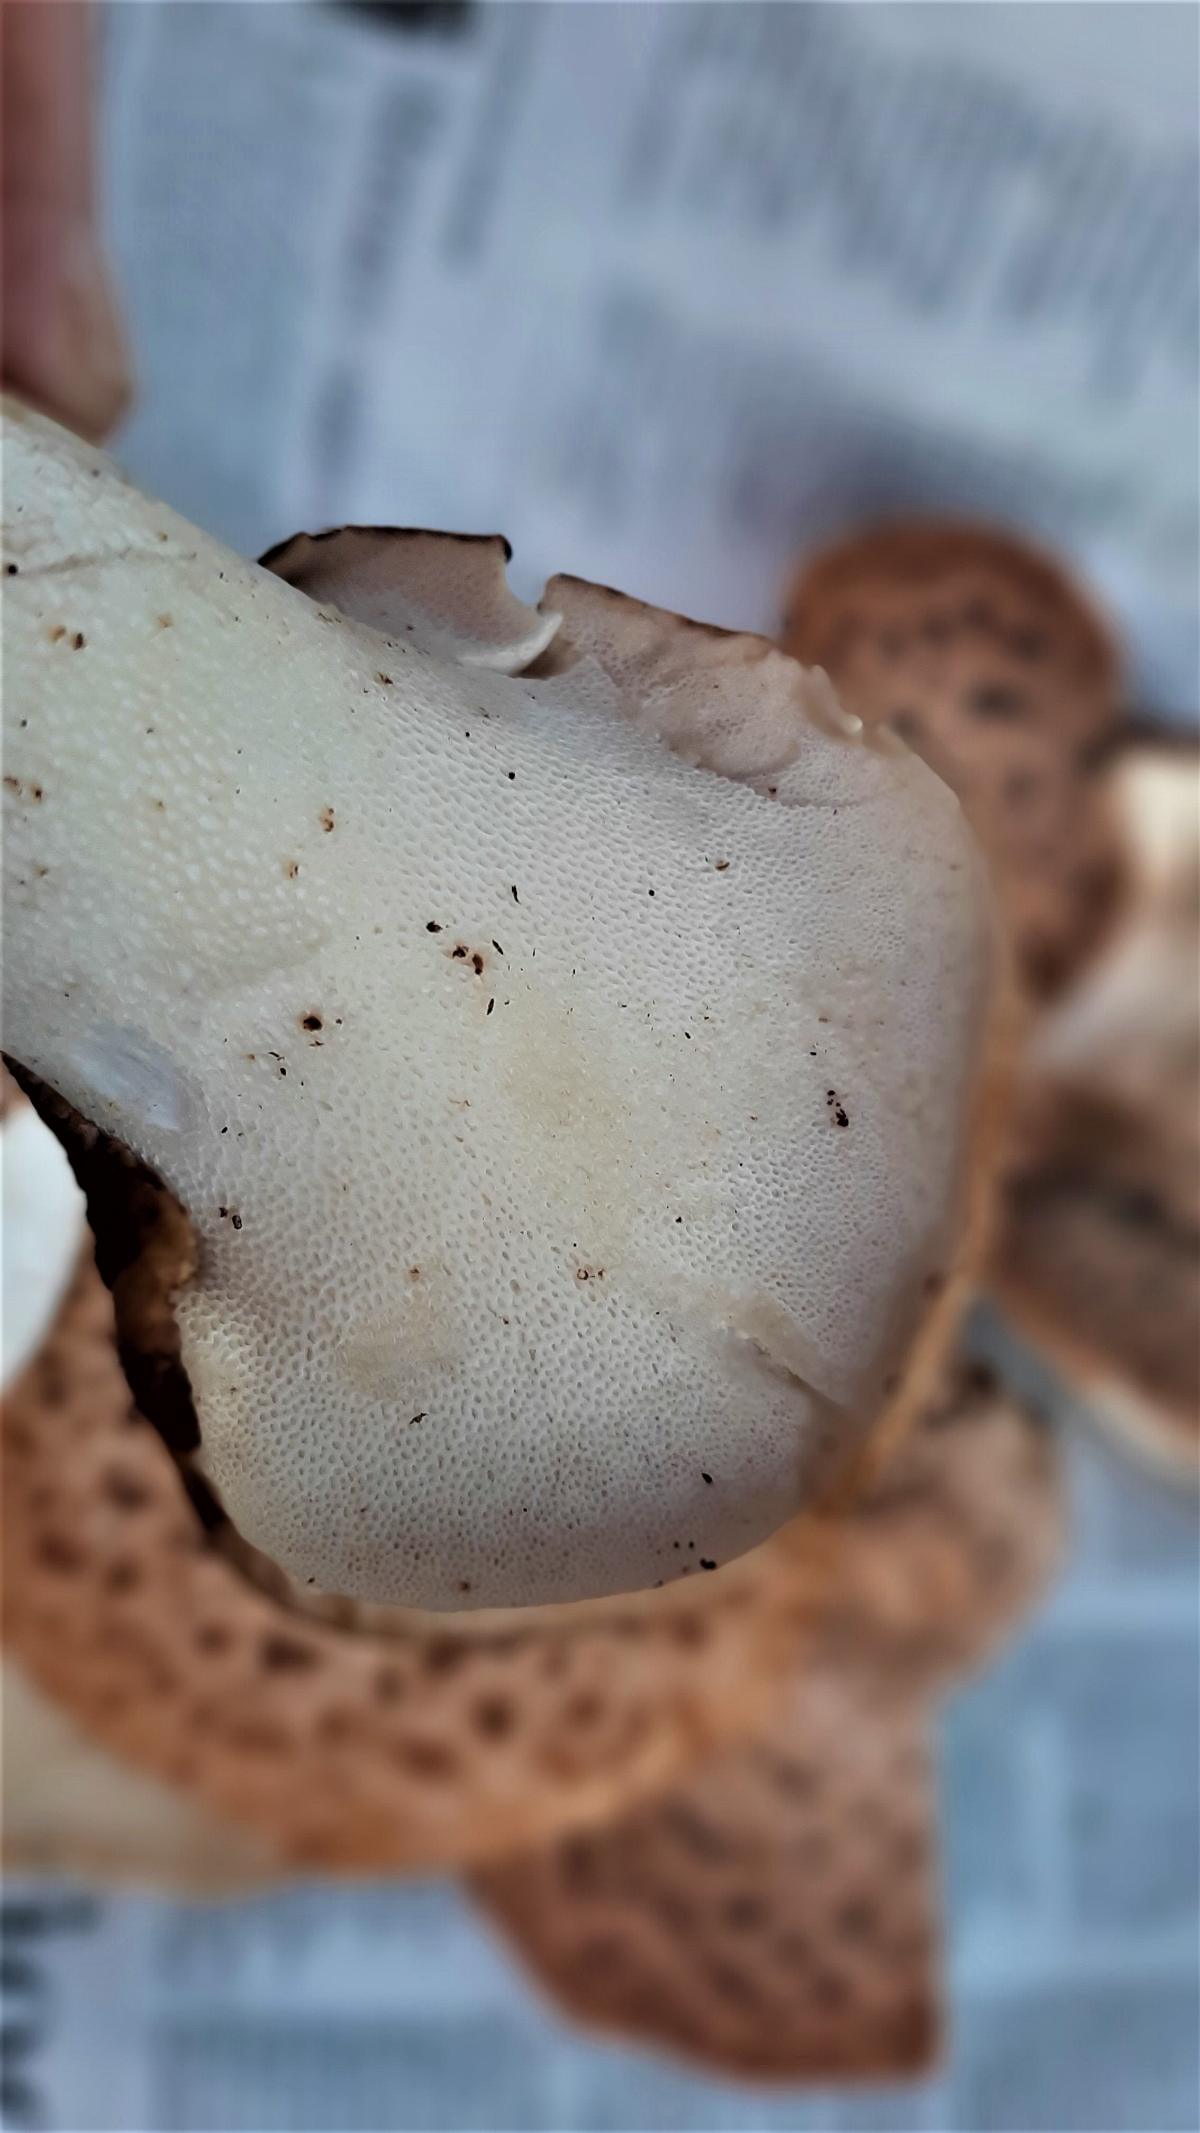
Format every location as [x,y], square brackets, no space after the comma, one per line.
[561,1027]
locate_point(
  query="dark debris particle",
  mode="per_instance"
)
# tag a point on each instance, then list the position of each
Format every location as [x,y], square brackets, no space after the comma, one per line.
[464,1584]
[516,899]
[708,1478]
[706,1563]
[78,641]
[432,926]
[326,818]
[385,680]
[512,775]
[414,1419]
[477,964]
[491,1004]
[10,570]
[721,866]
[291,868]
[236,1221]
[496,945]
[311,1021]
[459,953]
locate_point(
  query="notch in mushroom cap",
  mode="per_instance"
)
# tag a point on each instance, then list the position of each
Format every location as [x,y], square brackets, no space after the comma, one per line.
[568,1074]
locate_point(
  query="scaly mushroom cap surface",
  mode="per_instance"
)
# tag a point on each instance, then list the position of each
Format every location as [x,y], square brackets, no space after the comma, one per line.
[990,661]
[567,1072]
[775,1913]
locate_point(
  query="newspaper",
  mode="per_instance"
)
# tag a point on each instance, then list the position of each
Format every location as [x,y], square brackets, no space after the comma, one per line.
[667,293]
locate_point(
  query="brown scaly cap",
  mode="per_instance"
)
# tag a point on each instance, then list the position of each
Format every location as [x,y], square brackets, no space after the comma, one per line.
[775,1916]
[773,1919]
[984,655]
[346,1750]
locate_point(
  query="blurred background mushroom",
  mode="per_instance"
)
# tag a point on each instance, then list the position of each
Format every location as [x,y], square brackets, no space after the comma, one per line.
[875,329]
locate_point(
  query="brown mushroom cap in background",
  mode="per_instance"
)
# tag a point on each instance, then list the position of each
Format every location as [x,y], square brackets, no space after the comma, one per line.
[775,1915]
[992,662]
[988,659]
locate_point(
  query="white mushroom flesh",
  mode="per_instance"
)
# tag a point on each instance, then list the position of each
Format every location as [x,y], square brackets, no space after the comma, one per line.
[41,1234]
[568,1078]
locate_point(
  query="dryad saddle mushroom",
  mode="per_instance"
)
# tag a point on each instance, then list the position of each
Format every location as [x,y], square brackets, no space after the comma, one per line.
[560,1027]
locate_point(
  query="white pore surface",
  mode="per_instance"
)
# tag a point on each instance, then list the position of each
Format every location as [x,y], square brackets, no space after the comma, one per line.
[540,1270]
[41,1234]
